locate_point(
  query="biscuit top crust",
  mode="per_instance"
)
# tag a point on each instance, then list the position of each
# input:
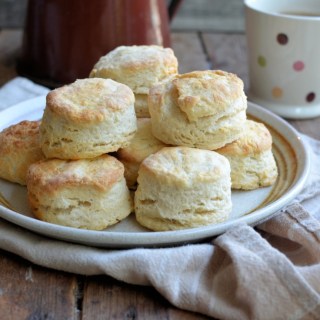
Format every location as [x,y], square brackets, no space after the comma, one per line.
[207,93]
[22,135]
[100,173]
[90,99]
[137,57]
[142,144]
[256,138]
[184,166]
[137,66]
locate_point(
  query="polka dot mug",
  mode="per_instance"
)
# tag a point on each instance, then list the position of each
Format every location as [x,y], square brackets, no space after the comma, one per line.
[283,38]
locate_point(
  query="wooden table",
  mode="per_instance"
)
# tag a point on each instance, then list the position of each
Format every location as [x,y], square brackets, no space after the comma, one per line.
[28,291]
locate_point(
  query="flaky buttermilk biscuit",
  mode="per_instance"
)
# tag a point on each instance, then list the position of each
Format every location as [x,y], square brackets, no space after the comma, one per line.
[86,193]
[19,148]
[202,109]
[140,68]
[181,187]
[87,118]
[251,158]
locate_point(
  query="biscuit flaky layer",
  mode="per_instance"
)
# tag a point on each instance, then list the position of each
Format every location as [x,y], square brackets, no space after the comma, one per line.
[87,118]
[251,158]
[86,193]
[139,67]
[140,147]
[141,106]
[202,109]
[19,148]
[180,187]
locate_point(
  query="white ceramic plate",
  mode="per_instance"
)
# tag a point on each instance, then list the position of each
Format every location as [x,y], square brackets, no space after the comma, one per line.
[249,207]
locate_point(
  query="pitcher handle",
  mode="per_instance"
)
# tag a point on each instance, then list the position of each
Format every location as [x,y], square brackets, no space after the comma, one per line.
[173,8]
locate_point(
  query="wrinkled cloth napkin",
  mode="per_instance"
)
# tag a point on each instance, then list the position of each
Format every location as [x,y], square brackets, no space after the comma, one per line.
[268,272]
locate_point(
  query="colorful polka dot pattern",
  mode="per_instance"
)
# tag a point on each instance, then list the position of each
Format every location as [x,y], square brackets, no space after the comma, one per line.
[282,38]
[297,66]
[310,96]
[262,61]
[277,92]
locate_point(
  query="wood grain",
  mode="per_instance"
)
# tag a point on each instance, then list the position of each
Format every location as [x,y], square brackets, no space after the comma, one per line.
[310,127]
[213,15]
[228,52]
[106,298]
[31,292]
[189,52]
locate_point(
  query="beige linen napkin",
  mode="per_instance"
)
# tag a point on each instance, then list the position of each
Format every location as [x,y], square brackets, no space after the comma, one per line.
[271,272]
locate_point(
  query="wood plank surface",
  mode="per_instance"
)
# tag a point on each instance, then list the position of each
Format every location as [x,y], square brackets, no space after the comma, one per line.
[106,298]
[30,292]
[228,52]
[188,49]
[309,127]
[213,15]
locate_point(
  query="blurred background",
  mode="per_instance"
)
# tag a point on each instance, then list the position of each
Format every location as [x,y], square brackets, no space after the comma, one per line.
[205,34]
[202,15]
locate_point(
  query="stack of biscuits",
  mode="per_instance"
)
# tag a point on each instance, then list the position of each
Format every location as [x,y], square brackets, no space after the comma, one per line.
[179,143]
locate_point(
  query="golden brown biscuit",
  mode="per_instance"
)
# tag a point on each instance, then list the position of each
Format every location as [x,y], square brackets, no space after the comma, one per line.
[87,118]
[251,158]
[140,68]
[202,109]
[19,148]
[141,146]
[86,193]
[181,187]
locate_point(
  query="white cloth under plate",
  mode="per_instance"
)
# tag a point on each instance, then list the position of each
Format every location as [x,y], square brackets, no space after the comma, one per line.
[19,89]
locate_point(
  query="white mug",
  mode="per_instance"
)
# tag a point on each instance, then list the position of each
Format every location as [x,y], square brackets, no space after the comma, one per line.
[283,38]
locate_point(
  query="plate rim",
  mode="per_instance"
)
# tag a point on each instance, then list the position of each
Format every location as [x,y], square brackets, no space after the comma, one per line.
[118,239]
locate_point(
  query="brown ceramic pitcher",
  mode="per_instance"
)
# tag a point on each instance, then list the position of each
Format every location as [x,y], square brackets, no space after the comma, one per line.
[63,39]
